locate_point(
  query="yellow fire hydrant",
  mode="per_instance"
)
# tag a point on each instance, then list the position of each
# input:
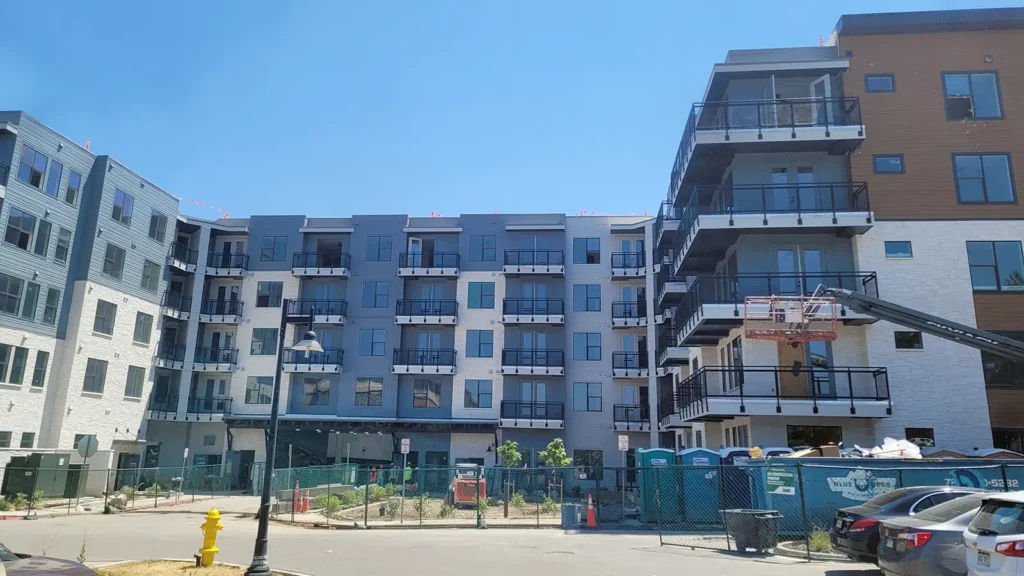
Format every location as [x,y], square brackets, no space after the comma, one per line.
[210,529]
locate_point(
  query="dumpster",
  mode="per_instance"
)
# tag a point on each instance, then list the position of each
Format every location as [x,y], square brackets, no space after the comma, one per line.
[757,529]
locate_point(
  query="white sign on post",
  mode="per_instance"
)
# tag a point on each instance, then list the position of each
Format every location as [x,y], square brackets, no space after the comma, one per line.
[623,443]
[405,445]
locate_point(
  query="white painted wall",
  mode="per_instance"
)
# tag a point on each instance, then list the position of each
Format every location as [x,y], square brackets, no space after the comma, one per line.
[473,446]
[478,368]
[22,406]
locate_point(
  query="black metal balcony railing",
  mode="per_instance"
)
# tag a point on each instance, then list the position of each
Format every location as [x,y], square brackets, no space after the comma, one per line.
[321,260]
[664,276]
[550,358]
[4,170]
[208,405]
[221,307]
[183,253]
[303,306]
[517,410]
[329,357]
[534,257]
[533,306]
[227,260]
[164,403]
[217,355]
[667,212]
[631,413]
[428,260]
[629,360]
[783,383]
[424,357]
[171,352]
[426,308]
[667,336]
[629,309]
[628,260]
[176,301]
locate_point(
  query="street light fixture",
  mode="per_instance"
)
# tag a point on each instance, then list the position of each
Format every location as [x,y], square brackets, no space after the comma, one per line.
[260,565]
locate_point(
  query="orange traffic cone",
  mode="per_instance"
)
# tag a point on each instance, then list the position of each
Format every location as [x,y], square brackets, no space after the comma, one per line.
[591,518]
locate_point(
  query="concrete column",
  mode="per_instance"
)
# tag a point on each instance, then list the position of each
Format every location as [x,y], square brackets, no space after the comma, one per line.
[652,333]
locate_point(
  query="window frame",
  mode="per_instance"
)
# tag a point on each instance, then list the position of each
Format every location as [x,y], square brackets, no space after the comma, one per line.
[371,333]
[478,249]
[377,295]
[254,388]
[273,255]
[19,362]
[365,389]
[127,205]
[316,398]
[482,296]
[50,183]
[56,307]
[29,301]
[5,360]
[31,436]
[873,75]
[588,396]
[100,321]
[474,399]
[32,167]
[160,220]
[588,346]
[141,321]
[481,346]
[273,298]
[268,335]
[378,251]
[422,398]
[62,245]
[151,273]
[113,262]
[970,82]
[994,266]
[77,189]
[27,235]
[7,295]
[874,164]
[95,369]
[909,244]
[41,245]
[586,253]
[5,438]
[140,381]
[920,337]
[39,380]
[587,298]
[814,429]
[984,181]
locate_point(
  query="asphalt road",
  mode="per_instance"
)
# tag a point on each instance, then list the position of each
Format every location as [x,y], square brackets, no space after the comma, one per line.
[496,552]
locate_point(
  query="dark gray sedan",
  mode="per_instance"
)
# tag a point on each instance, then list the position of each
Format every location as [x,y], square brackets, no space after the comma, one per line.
[25,565]
[931,542]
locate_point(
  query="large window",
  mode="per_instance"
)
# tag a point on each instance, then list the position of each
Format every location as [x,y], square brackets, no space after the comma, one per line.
[264,342]
[259,389]
[18,363]
[426,394]
[481,295]
[589,464]
[478,394]
[268,294]
[1003,372]
[483,248]
[20,227]
[378,248]
[316,392]
[74,188]
[53,178]
[586,346]
[95,376]
[479,343]
[273,248]
[106,315]
[49,310]
[586,250]
[39,372]
[28,309]
[10,293]
[983,178]
[996,266]
[63,248]
[150,276]
[135,381]
[1008,439]
[32,167]
[971,95]
[157,226]
[43,238]
[143,328]
[813,436]
[586,297]
[372,341]
[369,392]
[375,294]
[586,396]
[124,206]
[113,261]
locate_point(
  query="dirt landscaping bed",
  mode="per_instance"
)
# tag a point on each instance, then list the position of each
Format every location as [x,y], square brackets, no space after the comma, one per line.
[170,568]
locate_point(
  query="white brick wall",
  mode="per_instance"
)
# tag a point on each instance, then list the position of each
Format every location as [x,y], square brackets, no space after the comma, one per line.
[22,406]
[478,368]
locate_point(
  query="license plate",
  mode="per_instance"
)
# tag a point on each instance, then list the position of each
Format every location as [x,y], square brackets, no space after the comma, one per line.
[890,543]
[839,522]
[984,559]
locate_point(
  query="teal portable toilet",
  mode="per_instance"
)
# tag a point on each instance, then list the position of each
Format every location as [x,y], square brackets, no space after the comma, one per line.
[700,492]
[657,471]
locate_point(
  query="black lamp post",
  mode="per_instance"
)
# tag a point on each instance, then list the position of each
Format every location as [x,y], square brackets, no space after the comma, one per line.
[260,565]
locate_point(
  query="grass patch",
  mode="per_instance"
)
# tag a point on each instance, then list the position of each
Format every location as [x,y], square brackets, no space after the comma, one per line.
[162,568]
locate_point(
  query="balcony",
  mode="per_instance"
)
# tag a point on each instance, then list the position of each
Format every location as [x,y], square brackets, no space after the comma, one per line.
[231,264]
[208,408]
[171,356]
[216,359]
[670,286]
[163,407]
[437,312]
[716,392]
[716,131]
[549,262]
[715,216]
[221,311]
[182,257]
[299,362]
[324,311]
[631,418]
[423,361]
[713,304]
[3,180]
[516,414]
[670,353]
[313,264]
[533,311]
[631,314]
[628,265]
[630,365]
[174,305]
[666,224]
[411,264]
[528,361]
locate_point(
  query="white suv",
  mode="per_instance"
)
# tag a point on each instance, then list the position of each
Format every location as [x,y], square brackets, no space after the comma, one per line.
[995,538]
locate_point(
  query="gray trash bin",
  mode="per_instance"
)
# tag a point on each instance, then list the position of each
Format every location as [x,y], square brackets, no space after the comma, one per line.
[570,516]
[757,529]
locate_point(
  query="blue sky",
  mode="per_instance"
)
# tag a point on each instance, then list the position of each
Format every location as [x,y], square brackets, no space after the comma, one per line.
[336,108]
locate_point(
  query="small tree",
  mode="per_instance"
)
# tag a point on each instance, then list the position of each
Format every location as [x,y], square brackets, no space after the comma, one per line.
[509,452]
[554,455]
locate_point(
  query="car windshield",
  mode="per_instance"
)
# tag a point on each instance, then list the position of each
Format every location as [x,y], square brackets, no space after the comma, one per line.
[948,510]
[6,555]
[888,497]
[999,518]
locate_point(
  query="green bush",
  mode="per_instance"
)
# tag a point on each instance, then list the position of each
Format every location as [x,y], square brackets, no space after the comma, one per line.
[821,540]
[550,505]
[153,490]
[37,497]
[328,504]
[481,505]
[20,501]
[393,507]
[518,501]
[5,506]
[351,498]
[129,492]
[390,490]
[420,504]
[446,510]
[377,493]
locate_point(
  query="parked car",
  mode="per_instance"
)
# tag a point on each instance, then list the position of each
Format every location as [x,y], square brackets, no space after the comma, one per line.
[25,565]
[995,537]
[855,529]
[930,543]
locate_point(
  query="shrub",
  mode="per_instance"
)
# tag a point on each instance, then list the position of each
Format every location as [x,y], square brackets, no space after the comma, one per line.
[420,505]
[392,508]
[550,505]
[5,506]
[19,501]
[351,498]
[129,492]
[37,497]
[329,504]
[377,493]
[390,490]
[481,505]
[518,501]
[821,540]
[153,490]
[446,510]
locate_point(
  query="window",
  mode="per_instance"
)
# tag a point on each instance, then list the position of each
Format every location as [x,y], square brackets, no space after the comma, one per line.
[586,297]
[898,249]
[479,343]
[813,436]
[426,394]
[1001,371]
[1008,439]
[5,358]
[589,464]
[586,396]
[74,188]
[5,439]
[369,391]
[316,392]
[209,440]
[996,266]
[43,238]
[10,293]
[259,389]
[983,178]
[923,437]
[113,261]
[483,248]
[378,248]
[888,163]
[28,439]
[908,340]
[50,309]
[143,328]
[586,250]
[78,440]
[20,226]
[273,248]
[133,384]
[481,295]
[971,95]
[18,365]
[375,294]
[95,376]
[268,294]
[478,394]
[372,341]
[879,83]
[586,346]
[157,226]
[60,253]
[150,276]
[53,178]
[999,518]
[264,342]
[106,314]
[124,205]
[32,167]
[28,310]
[39,372]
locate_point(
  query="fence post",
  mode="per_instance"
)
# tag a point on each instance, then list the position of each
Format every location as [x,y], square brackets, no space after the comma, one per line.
[803,508]
[899,477]
[657,512]
[366,502]
[478,479]
[1006,484]
[328,504]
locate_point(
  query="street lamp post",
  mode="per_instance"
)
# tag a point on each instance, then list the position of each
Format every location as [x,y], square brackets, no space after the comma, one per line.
[260,565]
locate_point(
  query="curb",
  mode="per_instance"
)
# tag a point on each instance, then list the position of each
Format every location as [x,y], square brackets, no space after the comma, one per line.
[189,560]
[783,549]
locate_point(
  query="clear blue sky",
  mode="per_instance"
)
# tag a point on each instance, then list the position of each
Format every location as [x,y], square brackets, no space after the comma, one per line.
[331,108]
